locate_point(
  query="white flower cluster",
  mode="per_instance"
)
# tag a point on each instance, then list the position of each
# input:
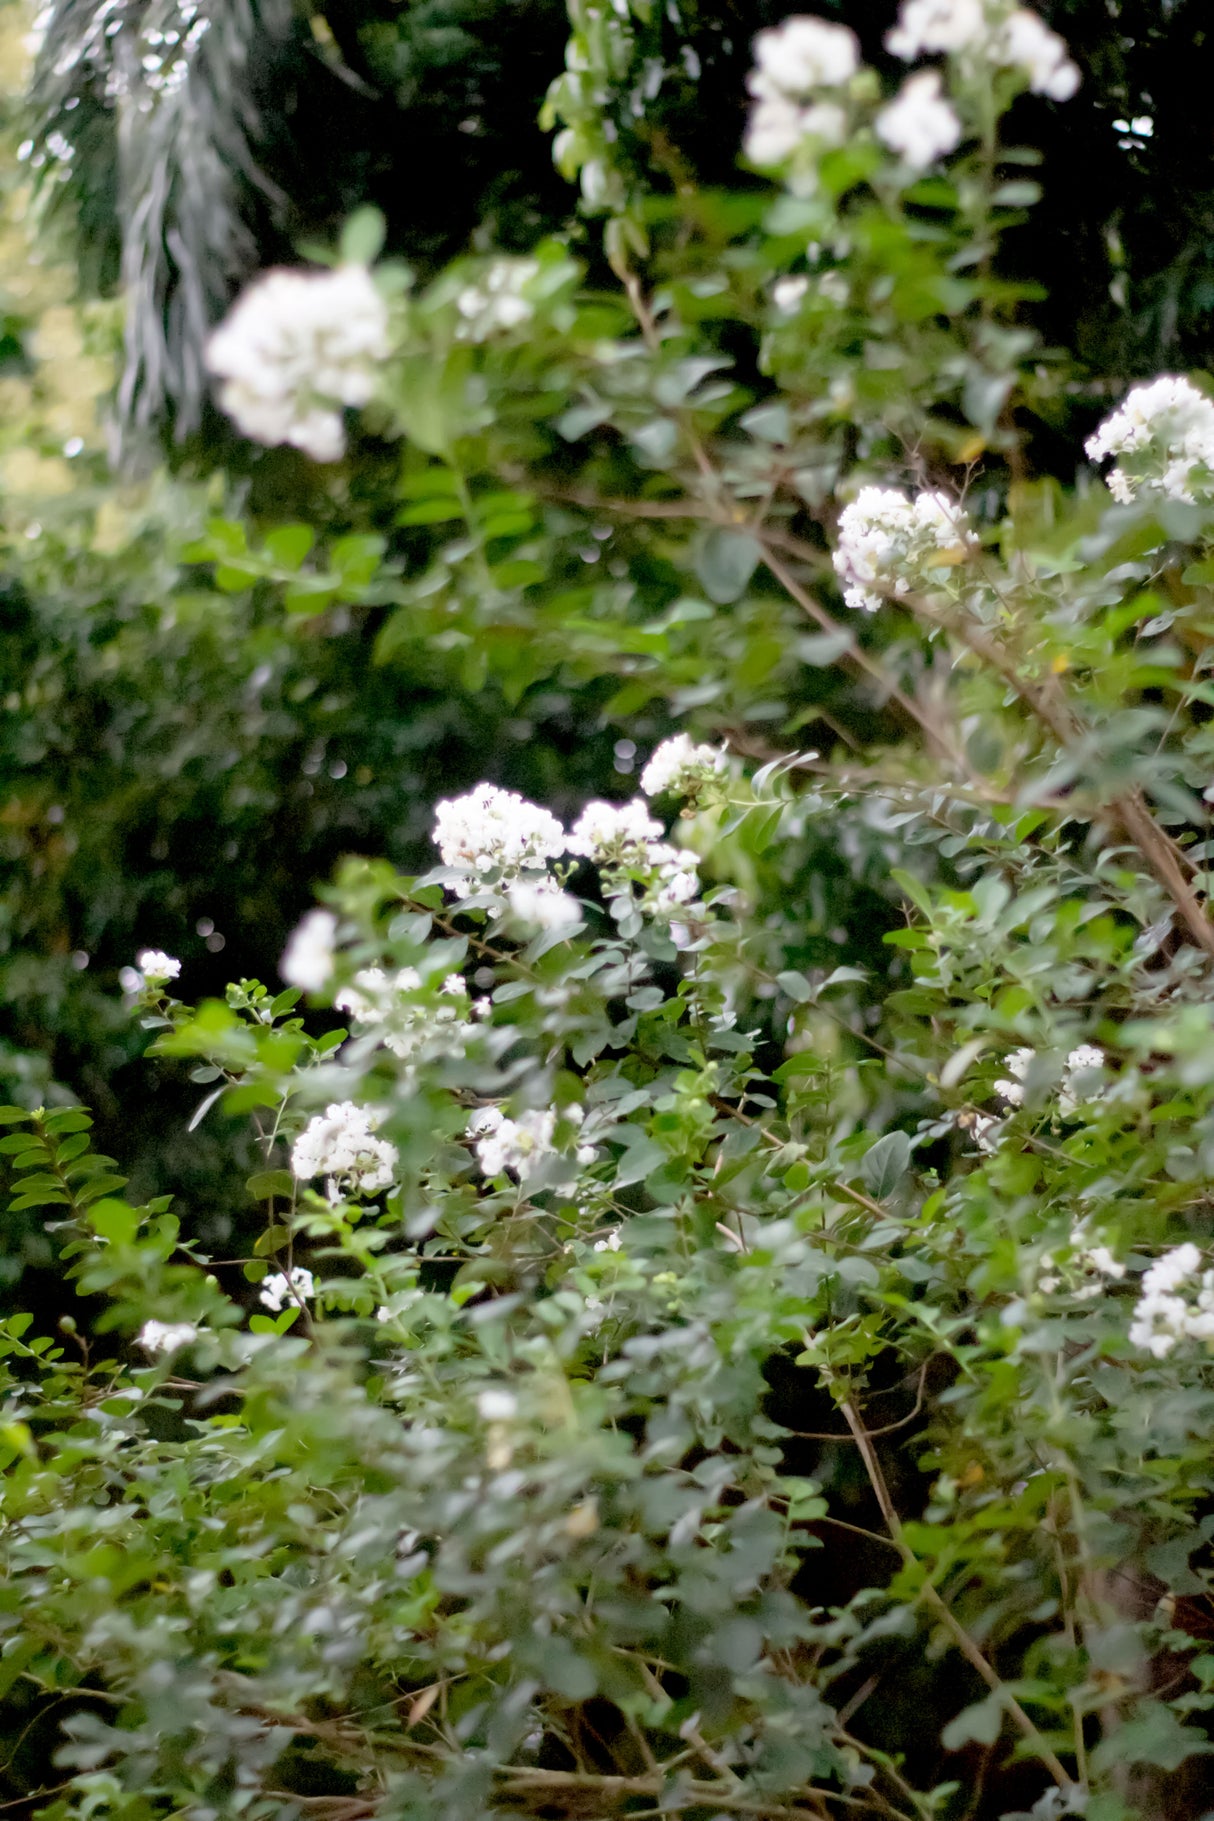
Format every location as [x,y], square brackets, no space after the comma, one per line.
[616,835]
[166,1336]
[294,349]
[501,843]
[679,768]
[1163,435]
[307,960]
[340,1144]
[919,124]
[539,903]
[987,32]
[792,62]
[1092,1263]
[620,834]
[522,1145]
[382,1003]
[1077,1087]
[887,541]
[1163,1316]
[279,1289]
[496,302]
[155,967]
[495,836]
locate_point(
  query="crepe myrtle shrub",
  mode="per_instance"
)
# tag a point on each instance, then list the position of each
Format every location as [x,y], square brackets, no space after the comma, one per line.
[657,1387]
[463,1492]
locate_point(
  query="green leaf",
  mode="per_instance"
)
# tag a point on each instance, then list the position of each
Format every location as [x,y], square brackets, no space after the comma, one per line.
[115,1221]
[885,1164]
[290,544]
[272,1240]
[266,1183]
[362,237]
[725,562]
[980,1724]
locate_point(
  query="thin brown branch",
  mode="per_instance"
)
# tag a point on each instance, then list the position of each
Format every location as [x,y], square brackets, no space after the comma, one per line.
[853,650]
[810,1435]
[960,1636]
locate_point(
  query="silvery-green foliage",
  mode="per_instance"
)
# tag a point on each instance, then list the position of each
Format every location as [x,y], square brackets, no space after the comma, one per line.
[650,1366]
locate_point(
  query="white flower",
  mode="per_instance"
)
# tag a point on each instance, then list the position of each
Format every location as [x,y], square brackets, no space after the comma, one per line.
[340,1143]
[1162,1315]
[156,967]
[1159,1322]
[494,831]
[496,302]
[777,126]
[773,131]
[985,32]
[407,1024]
[927,26]
[297,346]
[1018,1064]
[679,767]
[1166,429]
[677,880]
[166,1336]
[295,1287]
[619,833]
[1099,1258]
[1029,43]
[496,1406]
[887,541]
[805,53]
[791,61]
[540,902]
[1171,1271]
[986,1132]
[520,1144]
[610,1244]
[1082,1062]
[307,960]
[919,124]
[786,294]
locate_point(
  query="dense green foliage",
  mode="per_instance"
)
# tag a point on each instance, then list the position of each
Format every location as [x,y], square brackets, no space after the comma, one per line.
[722,1376]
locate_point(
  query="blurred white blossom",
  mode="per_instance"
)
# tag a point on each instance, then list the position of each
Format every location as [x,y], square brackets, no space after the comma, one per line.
[1011,1087]
[407,1017]
[340,1144]
[887,541]
[1174,1304]
[491,831]
[166,1336]
[919,124]
[294,349]
[277,1290]
[1029,44]
[541,904]
[679,768]
[927,26]
[307,960]
[793,61]
[1163,436]
[496,301]
[520,1144]
[496,1405]
[615,833]
[987,32]
[156,967]
[788,293]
